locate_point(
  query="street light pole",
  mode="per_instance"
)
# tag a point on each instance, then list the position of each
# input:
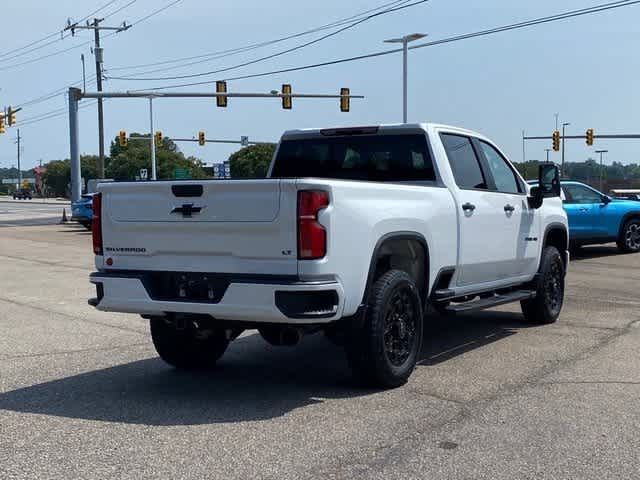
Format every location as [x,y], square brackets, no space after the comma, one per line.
[152,141]
[405,54]
[566,124]
[547,150]
[601,152]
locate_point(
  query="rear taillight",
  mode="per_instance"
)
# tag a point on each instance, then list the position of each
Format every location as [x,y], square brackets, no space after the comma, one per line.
[96,223]
[312,237]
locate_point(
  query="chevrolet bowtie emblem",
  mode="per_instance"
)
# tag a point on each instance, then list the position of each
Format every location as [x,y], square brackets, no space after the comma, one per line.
[187,209]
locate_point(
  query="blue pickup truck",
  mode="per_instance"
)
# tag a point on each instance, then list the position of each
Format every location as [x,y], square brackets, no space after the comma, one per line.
[596,218]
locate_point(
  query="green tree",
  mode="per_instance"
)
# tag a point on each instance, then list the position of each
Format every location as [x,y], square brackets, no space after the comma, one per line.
[252,161]
[58,174]
[126,162]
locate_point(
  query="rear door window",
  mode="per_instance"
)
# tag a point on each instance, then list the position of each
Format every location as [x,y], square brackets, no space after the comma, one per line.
[464,162]
[383,158]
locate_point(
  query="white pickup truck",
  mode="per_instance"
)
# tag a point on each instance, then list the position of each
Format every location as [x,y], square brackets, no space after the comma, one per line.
[357,232]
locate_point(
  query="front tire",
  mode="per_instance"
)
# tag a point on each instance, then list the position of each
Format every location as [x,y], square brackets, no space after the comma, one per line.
[192,345]
[629,241]
[383,351]
[546,306]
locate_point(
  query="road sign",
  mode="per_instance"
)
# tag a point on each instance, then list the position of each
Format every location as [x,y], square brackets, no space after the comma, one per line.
[15,181]
[181,173]
[244,141]
[144,174]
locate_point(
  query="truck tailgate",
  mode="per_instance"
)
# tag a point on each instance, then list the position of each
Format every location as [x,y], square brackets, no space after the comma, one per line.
[241,227]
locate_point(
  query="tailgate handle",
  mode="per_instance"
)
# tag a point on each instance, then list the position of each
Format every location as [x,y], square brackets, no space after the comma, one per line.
[187,190]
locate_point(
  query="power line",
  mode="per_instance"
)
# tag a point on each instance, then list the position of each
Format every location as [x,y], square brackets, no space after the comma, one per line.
[52,114]
[542,20]
[84,44]
[223,53]
[156,12]
[254,46]
[54,93]
[118,10]
[44,57]
[47,37]
[280,53]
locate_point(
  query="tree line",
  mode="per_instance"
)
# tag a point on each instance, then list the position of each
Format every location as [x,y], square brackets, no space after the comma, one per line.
[616,175]
[125,162]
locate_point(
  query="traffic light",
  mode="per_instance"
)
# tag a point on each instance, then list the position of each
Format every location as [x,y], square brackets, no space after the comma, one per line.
[287,101]
[221,87]
[590,137]
[345,100]
[556,141]
[201,139]
[122,138]
[2,129]
[158,137]
[11,117]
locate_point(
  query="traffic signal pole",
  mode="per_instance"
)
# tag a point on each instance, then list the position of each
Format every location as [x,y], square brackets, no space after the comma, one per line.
[76,95]
[76,176]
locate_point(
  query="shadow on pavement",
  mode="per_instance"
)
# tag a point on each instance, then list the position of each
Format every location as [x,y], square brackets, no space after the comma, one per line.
[595,251]
[252,382]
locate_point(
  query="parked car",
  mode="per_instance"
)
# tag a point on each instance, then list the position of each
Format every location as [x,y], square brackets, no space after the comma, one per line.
[81,211]
[355,232]
[596,218]
[23,194]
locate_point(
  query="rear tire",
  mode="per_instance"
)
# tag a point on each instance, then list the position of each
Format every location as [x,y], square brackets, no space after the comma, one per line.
[86,225]
[384,349]
[629,241]
[196,346]
[546,306]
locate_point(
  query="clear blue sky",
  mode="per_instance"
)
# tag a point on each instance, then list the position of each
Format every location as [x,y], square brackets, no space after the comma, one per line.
[586,69]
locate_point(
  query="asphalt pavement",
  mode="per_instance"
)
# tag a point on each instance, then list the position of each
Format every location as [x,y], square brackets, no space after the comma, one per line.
[83,395]
[31,212]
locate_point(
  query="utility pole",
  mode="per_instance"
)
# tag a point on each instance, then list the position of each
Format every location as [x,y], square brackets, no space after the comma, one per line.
[19,170]
[547,150]
[601,152]
[98,53]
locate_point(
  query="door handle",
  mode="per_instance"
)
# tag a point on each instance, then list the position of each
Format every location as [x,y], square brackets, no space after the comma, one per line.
[509,208]
[583,209]
[468,207]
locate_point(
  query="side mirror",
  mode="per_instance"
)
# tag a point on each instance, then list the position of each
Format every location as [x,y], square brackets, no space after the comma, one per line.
[549,180]
[548,185]
[606,199]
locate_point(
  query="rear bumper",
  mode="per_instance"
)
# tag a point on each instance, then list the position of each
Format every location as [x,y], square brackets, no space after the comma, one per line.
[245,299]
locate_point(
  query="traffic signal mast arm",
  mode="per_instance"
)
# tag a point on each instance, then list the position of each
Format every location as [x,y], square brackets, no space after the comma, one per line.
[205,140]
[344,96]
[583,137]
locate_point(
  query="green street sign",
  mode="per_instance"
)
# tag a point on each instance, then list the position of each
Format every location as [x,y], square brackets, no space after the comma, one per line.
[181,173]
